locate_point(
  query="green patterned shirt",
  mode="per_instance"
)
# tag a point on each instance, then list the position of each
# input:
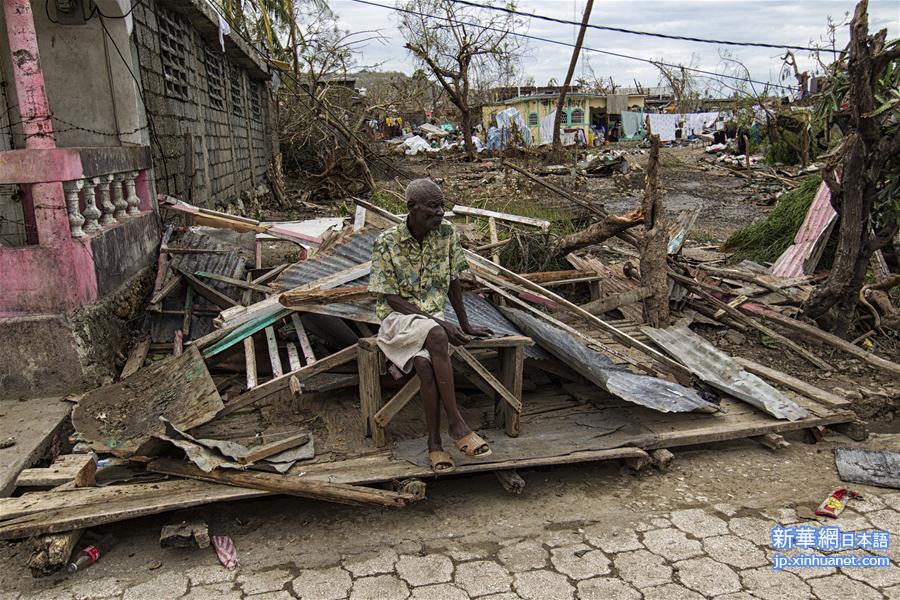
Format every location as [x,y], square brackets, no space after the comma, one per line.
[420,274]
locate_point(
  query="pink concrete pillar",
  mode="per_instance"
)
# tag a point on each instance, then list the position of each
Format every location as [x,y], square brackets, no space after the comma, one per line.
[34,108]
[59,274]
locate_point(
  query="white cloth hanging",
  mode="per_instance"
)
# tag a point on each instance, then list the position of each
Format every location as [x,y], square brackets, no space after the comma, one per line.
[664,125]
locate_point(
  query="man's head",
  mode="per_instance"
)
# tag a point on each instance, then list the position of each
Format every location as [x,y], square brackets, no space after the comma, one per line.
[425,202]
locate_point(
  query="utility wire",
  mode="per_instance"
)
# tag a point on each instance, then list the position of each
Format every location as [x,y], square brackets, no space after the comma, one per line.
[682,38]
[560,43]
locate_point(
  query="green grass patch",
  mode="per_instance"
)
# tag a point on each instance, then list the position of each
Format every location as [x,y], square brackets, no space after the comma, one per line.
[766,240]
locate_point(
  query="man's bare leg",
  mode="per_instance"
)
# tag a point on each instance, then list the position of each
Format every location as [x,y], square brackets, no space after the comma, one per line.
[438,347]
[429,393]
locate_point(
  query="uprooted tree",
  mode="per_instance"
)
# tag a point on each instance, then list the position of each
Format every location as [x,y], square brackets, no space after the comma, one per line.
[863,171]
[457,44]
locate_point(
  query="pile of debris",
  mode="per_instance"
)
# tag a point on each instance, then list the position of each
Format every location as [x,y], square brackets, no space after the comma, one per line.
[264,379]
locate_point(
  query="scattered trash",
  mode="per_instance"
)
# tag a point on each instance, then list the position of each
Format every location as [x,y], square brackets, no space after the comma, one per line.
[226,551]
[835,504]
[92,553]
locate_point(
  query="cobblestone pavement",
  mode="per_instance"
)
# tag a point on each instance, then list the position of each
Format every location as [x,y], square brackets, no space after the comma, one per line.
[556,542]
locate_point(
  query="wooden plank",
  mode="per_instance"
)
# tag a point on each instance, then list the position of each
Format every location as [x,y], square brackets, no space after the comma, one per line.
[243,330]
[266,450]
[305,346]
[509,341]
[136,358]
[270,275]
[240,314]
[489,378]
[340,493]
[78,469]
[178,343]
[211,294]
[369,363]
[511,363]
[166,289]
[293,356]
[274,357]
[822,336]
[235,282]
[280,383]
[396,404]
[459,209]
[791,382]
[188,311]
[613,301]
[66,519]
[359,218]
[250,358]
[121,417]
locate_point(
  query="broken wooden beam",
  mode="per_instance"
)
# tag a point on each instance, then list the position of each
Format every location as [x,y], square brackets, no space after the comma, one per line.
[772,441]
[339,493]
[52,552]
[511,481]
[661,458]
[77,468]
[136,358]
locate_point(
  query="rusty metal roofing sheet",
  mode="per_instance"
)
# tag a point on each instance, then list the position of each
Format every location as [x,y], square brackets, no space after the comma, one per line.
[871,467]
[802,257]
[354,250]
[229,264]
[644,390]
[719,370]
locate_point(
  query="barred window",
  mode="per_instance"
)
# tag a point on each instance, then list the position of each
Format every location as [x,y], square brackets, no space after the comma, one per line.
[533,120]
[174,40]
[236,76]
[215,79]
[577,117]
[256,100]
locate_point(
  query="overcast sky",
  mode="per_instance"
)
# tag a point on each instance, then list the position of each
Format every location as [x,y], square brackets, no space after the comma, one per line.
[795,22]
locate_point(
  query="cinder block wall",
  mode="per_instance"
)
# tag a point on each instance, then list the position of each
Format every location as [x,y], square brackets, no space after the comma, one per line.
[210,116]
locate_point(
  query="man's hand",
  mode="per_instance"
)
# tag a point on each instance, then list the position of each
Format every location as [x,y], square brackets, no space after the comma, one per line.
[476,331]
[455,334]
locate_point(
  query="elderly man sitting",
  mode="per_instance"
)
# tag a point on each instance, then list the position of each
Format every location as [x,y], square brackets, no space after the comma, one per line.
[415,267]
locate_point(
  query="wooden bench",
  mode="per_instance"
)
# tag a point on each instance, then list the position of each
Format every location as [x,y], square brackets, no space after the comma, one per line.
[506,386]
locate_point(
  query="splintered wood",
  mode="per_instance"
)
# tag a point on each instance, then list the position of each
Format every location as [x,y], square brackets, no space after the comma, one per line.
[121,418]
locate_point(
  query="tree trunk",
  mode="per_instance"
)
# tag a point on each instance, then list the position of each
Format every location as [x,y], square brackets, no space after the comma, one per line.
[557,121]
[834,303]
[598,232]
[465,123]
[653,244]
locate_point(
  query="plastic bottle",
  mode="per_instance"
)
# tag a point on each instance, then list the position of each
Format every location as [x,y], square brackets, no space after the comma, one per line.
[92,553]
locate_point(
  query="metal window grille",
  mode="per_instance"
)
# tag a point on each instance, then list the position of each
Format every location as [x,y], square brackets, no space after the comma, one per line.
[174,40]
[577,117]
[256,94]
[533,120]
[215,79]
[235,77]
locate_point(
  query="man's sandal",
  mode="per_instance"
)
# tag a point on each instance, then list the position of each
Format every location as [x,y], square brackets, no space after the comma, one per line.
[471,443]
[441,461]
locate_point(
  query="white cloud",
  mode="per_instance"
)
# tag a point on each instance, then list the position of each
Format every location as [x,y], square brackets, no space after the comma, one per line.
[795,22]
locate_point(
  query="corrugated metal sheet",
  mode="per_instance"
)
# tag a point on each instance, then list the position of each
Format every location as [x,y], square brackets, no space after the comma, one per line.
[230,264]
[644,390]
[354,250]
[803,256]
[718,370]
[870,467]
[357,249]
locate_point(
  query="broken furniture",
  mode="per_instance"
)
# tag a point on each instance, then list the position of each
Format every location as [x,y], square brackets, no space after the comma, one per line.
[506,387]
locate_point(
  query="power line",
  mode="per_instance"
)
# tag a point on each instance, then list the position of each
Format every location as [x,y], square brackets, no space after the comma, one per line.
[682,38]
[566,44]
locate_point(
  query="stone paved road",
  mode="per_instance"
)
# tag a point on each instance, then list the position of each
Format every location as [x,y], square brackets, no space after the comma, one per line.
[593,533]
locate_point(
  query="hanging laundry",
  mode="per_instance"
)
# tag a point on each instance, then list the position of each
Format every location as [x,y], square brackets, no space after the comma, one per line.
[546,129]
[632,124]
[664,125]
